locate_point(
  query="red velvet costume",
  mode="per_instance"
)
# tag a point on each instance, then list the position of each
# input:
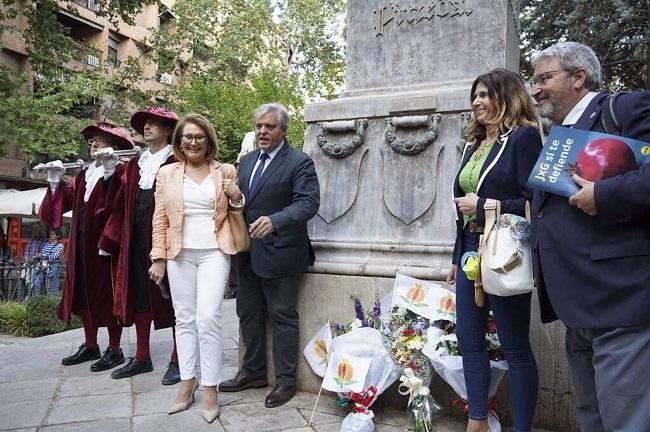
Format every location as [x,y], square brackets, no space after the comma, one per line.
[99,270]
[121,226]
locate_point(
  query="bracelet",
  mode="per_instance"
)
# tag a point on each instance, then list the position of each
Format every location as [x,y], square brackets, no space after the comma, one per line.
[237,204]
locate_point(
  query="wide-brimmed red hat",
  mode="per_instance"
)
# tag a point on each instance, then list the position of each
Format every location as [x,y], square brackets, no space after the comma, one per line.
[120,135]
[161,114]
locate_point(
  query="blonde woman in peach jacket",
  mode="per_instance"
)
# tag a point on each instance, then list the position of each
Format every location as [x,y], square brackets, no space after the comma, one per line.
[193,243]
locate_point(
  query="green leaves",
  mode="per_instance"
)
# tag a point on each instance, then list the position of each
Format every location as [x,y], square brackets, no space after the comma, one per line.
[617,30]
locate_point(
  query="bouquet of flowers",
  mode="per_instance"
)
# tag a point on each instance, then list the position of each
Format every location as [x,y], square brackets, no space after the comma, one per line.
[355,364]
[446,358]
[406,334]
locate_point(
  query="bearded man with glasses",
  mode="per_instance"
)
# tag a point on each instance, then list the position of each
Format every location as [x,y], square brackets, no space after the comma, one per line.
[591,252]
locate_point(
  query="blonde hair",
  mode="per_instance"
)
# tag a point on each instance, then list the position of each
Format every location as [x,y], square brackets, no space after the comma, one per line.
[509,96]
[203,123]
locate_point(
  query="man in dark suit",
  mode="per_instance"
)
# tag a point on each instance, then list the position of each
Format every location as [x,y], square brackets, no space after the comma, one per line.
[592,251]
[282,193]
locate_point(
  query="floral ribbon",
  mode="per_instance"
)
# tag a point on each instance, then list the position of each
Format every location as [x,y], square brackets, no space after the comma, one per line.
[464,405]
[361,401]
[412,385]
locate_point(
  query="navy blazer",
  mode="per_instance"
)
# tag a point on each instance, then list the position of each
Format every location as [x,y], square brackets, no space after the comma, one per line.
[289,194]
[504,176]
[594,272]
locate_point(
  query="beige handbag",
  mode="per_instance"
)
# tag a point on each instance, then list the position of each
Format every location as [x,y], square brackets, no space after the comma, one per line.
[505,262]
[238,229]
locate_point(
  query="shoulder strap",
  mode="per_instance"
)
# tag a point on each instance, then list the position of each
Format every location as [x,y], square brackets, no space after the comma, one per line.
[609,122]
[492,209]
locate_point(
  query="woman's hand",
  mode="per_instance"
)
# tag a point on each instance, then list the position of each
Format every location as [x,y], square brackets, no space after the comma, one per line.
[157,271]
[451,277]
[231,190]
[467,204]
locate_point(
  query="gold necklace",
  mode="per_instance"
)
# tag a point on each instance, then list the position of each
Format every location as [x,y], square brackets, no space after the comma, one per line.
[188,170]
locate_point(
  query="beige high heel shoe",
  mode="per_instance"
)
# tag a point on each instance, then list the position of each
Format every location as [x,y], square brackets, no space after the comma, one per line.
[210,415]
[182,406]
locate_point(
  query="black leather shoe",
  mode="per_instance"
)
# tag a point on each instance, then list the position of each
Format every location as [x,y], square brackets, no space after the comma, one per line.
[133,367]
[173,374]
[280,395]
[109,360]
[243,381]
[83,354]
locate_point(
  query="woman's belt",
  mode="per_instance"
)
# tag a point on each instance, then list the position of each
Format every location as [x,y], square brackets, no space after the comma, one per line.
[473,227]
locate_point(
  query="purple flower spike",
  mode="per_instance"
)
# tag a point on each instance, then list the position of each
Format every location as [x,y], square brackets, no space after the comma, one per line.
[358,309]
[376,310]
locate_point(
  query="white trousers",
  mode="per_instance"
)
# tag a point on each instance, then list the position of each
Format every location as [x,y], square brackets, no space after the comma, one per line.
[197,279]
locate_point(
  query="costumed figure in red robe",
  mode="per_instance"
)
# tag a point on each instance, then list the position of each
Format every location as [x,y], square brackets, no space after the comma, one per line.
[137,299]
[89,281]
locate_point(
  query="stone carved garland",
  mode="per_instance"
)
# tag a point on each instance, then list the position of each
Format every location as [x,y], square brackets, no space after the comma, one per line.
[338,149]
[394,14]
[411,146]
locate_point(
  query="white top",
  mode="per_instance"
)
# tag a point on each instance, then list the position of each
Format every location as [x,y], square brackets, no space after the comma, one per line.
[92,175]
[198,214]
[149,164]
[268,162]
[577,111]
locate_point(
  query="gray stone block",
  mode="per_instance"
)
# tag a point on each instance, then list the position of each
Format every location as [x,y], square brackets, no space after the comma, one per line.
[103,384]
[88,408]
[20,391]
[189,420]
[22,414]
[108,425]
[255,417]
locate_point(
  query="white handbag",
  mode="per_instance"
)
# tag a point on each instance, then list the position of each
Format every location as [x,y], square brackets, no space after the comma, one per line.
[505,261]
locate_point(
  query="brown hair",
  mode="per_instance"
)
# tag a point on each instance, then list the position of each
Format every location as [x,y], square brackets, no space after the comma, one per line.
[203,123]
[513,104]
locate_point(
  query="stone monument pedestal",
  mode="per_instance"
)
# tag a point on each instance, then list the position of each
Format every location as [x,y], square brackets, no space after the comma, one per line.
[386,153]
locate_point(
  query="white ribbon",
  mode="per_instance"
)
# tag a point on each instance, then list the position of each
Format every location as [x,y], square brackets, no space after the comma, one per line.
[412,385]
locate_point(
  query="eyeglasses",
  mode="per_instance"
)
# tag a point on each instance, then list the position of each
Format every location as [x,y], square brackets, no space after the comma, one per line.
[200,139]
[541,78]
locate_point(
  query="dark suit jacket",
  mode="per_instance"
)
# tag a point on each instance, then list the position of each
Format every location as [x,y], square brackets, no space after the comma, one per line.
[289,194]
[594,272]
[503,176]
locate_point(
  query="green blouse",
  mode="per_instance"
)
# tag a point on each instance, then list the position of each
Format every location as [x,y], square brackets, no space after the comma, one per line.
[470,174]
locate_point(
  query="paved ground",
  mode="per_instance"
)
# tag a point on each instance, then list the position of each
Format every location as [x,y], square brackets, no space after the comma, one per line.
[38,394]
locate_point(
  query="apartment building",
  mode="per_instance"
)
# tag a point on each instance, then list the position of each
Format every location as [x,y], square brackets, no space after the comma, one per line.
[97,43]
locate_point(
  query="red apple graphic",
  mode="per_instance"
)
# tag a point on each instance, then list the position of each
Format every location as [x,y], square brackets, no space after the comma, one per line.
[604,158]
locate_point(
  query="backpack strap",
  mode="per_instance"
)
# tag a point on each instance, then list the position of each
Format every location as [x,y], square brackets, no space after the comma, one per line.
[609,122]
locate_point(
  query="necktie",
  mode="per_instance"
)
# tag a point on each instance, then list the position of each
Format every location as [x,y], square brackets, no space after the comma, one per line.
[258,173]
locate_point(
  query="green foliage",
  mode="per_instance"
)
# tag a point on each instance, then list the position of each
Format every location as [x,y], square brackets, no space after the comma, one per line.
[35,317]
[13,318]
[229,106]
[232,56]
[41,316]
[617,30]
[39,124]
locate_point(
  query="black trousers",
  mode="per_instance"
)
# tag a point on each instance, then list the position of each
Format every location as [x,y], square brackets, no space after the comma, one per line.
[257,299]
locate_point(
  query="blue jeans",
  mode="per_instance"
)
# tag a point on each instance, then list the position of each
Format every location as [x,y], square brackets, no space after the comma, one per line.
[53,278]
[512,317]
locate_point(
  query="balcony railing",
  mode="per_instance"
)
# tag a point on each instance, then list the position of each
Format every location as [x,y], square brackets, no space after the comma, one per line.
[87,55]
[88,4]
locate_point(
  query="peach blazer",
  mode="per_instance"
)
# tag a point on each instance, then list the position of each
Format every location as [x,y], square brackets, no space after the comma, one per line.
[167,224]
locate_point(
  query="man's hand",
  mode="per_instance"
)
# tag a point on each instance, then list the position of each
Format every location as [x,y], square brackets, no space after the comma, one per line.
[261,228]
[584,199]
[467,204]
[451,277]
[157,271]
